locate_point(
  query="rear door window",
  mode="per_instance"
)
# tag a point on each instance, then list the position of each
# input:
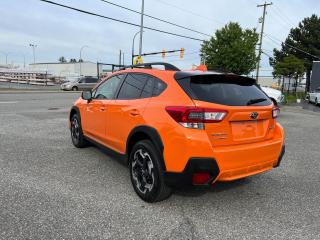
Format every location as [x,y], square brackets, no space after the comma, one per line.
[132,86]
[108,89]
[225,90]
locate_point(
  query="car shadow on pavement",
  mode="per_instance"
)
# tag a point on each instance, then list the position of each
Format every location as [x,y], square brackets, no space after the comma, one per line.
[196,191]
[111,154]
[186,191]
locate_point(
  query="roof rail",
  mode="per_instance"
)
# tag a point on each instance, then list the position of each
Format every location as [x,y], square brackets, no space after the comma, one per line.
[167,66]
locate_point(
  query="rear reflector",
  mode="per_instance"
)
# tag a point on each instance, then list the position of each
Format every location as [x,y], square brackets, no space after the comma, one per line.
[200,178]
[275,112]
[194,117]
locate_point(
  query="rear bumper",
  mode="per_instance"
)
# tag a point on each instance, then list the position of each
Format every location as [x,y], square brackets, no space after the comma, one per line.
[210,165]
[251,159]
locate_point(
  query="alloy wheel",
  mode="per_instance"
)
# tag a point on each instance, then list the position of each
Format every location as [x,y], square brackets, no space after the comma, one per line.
[75,130]
[142,169]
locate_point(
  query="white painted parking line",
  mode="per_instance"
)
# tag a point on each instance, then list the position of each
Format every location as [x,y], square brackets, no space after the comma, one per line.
[7,102]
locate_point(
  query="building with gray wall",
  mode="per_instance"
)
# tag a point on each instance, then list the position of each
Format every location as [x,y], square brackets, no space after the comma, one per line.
[315,76]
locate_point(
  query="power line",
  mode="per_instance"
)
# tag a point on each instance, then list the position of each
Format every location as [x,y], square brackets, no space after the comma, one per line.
[274,39]
[191,12]
[176,55]
[284,16]
[156,18]
[263,52]
[119,20]
[278,19]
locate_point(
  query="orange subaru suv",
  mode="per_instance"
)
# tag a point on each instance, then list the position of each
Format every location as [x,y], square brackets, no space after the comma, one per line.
[176,128]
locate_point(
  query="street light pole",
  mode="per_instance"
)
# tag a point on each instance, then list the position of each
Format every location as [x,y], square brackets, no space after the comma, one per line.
[24,61]
[5,54]
[141,28]
[80,59]
[7,58]
[34,51]
[132,50]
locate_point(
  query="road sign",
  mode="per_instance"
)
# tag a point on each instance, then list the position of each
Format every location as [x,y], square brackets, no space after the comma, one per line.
[138,60]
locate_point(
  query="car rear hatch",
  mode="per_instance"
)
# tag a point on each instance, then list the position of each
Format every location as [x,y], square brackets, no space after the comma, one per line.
[246,112]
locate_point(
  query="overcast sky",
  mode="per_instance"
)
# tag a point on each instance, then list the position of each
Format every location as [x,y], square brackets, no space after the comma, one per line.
[61,32]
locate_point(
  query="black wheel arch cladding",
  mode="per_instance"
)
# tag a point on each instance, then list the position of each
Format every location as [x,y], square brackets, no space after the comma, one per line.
[145,132]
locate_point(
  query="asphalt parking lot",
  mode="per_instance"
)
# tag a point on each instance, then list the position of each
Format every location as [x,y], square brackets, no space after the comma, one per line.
[51,190]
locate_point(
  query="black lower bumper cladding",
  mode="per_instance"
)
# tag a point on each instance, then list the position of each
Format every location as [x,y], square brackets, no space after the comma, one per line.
[283,150]
[194,165]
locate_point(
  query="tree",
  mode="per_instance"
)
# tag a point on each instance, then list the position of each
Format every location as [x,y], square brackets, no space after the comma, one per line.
[231,49]
[73,60]
[290,67]
[62,59]
[302,42]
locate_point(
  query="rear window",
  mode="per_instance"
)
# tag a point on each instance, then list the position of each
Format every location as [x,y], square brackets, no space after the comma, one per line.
[225,90]
[91,80]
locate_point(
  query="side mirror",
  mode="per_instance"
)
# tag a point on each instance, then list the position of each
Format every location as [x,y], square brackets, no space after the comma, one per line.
[86,95]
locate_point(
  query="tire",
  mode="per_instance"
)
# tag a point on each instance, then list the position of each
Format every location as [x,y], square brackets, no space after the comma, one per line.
[74,88]
[147,175]
[77,137]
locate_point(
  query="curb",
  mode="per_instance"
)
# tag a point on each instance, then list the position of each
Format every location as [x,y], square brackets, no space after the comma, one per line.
[36,91]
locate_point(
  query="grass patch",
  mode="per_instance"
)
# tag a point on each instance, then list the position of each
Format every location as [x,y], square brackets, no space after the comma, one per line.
[292,98]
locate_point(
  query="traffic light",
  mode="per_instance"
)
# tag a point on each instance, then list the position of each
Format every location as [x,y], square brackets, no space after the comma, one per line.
[181,52]
[163,53]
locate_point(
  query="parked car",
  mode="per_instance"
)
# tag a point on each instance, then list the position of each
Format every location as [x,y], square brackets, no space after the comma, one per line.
[274,94]
[314,97]
[175,128]
[82,83]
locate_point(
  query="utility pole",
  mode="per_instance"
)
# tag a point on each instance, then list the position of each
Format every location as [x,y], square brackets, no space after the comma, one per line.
[33,51]
[261,36]
[120,55]
[141,28]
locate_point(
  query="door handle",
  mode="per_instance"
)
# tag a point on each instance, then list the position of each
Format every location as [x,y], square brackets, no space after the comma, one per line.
[134,112]
[102,109]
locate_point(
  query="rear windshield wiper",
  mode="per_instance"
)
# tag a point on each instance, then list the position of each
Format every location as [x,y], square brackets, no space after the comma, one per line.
[256,100]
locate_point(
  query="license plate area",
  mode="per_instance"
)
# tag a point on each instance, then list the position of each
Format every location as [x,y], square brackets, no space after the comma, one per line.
[247,130]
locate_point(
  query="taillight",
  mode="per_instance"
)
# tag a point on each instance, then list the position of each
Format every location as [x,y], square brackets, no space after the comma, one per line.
[195,117]
[275,112]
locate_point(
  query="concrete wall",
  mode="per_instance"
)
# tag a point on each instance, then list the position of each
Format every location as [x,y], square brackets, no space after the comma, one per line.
[315,77]
[66,69]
